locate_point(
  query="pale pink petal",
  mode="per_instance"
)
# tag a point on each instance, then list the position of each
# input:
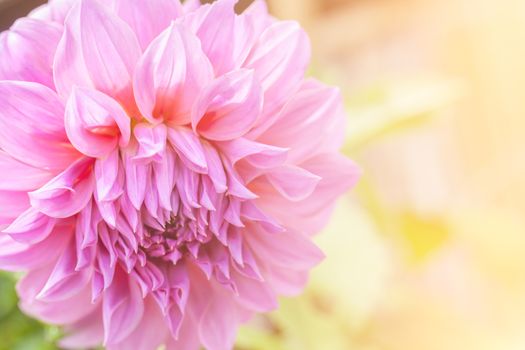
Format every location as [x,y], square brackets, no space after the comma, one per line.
[12,204]
[280,59]
[254,295]
[275,248]
[257,154]
[54,10]
[226,38]
[136,180]
[108,185]
[68,193]
[293,183]
[95,123]
[15,256]
[141,340]
[170,75]
[123,308]
[148,18]
[228,107]
[20,177]
[32,126]
[31,227]
[189,148]
[215,325]
[65,281]
[61,312]
[191,5]
[309,120]
[97,50]
[152,141]
[86,333]
[27,50]
[284,281]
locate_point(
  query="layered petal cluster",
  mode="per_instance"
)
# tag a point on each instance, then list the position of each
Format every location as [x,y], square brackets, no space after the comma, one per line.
[163,167]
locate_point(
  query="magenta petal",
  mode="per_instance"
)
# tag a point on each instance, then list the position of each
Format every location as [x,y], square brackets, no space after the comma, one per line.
[228,107]
[97,50]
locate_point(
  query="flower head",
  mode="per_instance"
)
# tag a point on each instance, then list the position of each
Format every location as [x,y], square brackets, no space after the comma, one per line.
[163,166]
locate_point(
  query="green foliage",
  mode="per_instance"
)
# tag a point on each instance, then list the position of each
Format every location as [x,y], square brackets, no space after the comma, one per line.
[17,331]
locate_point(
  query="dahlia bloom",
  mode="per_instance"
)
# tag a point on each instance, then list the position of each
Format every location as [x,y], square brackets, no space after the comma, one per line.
[163,168]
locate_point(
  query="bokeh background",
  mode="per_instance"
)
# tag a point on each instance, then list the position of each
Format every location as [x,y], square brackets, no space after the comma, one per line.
[428,253]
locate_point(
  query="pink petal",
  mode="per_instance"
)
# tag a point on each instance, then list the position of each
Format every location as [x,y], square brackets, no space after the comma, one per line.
[15,256]
[152,141]
[108,186]
[310,121]
[68,193]
[284,281]
[189,148]
[338,175]
[148,18]
[291,250]
[228,107]
[257,154]
[54,10]
[217,325]
[61,312]
[254,295]
[292,182]
[86,333]
[27,50]
[280,59]
[226,38]
[141,339]
[31,227]
[170,75]
[191,5]
[95,123]
[215,169]
[18,176]
[123,308]
[64,281]
[13,204]
[97,50]
[136,180]
[32,126]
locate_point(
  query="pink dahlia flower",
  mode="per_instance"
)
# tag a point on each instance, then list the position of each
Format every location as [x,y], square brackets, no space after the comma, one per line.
[163,168]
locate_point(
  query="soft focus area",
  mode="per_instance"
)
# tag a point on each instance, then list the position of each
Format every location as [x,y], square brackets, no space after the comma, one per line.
[429,251]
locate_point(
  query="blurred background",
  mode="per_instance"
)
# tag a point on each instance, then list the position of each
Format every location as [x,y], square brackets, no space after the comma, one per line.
[428,253]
